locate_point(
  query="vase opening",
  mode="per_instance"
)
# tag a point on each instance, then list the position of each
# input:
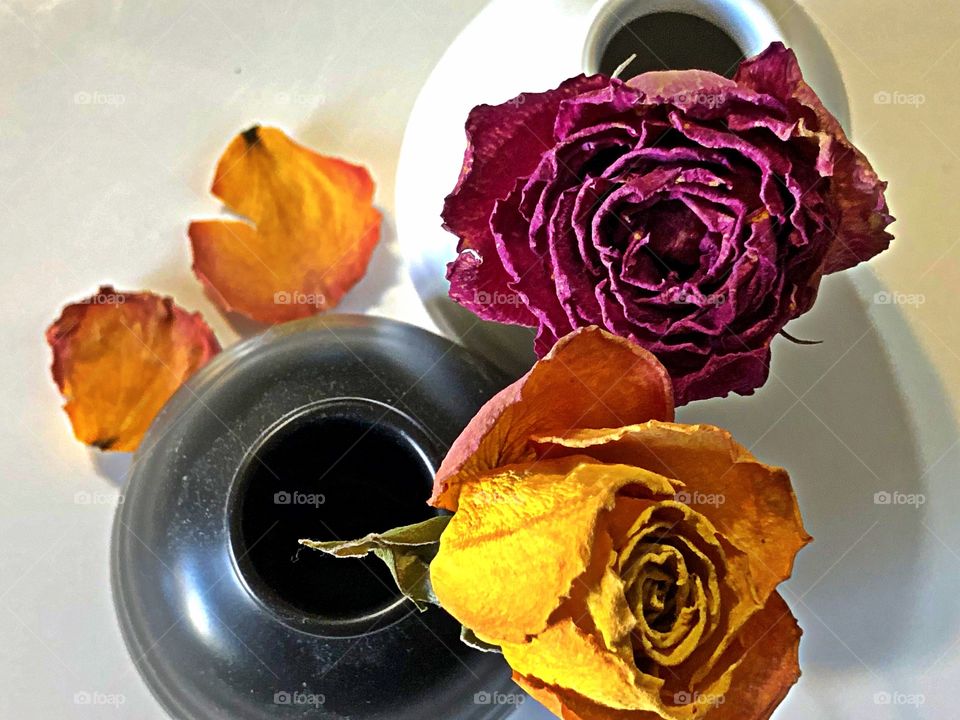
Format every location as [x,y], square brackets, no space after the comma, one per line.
[336,470]
[671,41]
[709,35]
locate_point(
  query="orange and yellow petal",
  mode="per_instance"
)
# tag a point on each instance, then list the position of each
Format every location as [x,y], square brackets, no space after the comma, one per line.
[751,504]
[590,379]
[764,666]
[564,656]
[118,357]
[307,231]
[521,538]
[769,665]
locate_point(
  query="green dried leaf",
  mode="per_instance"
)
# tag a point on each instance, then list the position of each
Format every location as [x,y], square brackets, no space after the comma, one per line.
[407,551]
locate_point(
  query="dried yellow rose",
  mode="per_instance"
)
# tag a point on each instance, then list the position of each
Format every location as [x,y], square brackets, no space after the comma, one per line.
[626,565]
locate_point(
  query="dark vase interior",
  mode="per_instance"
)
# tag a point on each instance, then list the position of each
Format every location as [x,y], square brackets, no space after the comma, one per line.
[336,471]
[671,41]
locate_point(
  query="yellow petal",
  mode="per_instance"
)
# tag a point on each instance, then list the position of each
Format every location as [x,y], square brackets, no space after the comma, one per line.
[750,503]
[522,537]
[606,602]
[565,656]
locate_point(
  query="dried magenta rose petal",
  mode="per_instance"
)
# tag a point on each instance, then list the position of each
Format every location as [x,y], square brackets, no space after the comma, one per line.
[309,231]
[118,357]
[692,214]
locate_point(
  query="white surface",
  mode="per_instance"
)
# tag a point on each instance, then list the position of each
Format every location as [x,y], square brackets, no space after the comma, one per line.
[111,119]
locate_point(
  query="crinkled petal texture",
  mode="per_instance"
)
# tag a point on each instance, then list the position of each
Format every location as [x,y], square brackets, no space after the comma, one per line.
[690,213]
[503,143]
[628,572]
[310,228]
[117,359]
[591,379]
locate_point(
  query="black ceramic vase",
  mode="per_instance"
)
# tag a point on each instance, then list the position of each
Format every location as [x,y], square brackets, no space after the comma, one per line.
[323,428]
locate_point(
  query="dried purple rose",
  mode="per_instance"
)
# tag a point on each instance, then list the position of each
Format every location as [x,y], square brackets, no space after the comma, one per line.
[690,213]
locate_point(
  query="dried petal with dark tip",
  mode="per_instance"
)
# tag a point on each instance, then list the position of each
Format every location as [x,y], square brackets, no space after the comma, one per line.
[309,231]
[118,357]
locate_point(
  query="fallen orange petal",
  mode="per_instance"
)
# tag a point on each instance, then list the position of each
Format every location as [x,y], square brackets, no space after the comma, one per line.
[118,357]
[309,230]
[590,379]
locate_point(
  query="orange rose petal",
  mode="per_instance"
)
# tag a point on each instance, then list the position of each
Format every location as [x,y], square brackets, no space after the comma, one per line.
[758,512]
[568,705]
[758,683]
[312,229]
[563,652]
[769,667]
[770,644]
[547,510]
[117,359]
[624,384]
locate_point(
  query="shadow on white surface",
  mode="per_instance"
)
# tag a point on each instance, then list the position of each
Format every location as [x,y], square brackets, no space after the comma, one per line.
[510,347]
[835,416]
[384,272]
[532,710]
[114,467]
